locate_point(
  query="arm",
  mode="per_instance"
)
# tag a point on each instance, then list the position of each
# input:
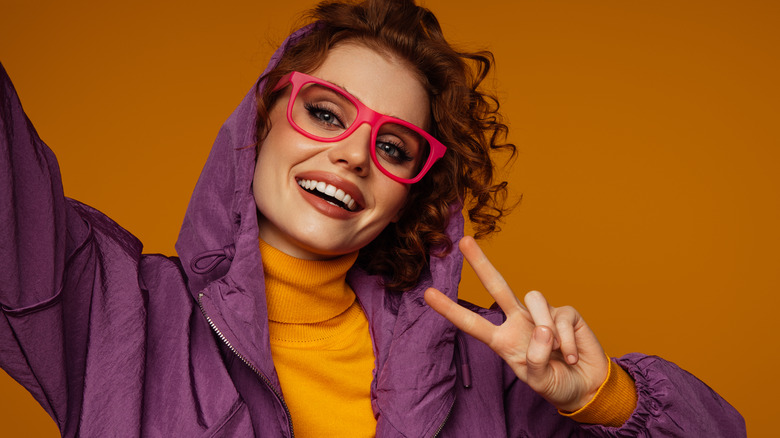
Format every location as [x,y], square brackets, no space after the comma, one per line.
[40,235]
[72,314]
[32,249]
[673,402]
[33,217]
[556,354]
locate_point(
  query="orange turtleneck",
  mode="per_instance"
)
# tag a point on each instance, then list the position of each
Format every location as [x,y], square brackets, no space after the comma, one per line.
[320,344]
[324,357]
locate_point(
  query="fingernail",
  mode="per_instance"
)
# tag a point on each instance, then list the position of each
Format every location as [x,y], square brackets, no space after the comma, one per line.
[543,334]
[572,359]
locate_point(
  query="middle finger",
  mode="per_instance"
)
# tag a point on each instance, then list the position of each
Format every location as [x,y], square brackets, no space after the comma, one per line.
[489,276]
[540,313]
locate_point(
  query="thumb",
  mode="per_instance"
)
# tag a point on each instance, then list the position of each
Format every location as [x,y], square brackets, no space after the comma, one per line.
[538,359]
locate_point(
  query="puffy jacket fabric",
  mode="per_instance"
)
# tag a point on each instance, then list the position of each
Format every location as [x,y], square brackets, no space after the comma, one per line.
[112,342]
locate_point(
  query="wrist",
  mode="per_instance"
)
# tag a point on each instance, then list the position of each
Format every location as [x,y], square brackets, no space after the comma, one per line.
[594,389]
[612,404]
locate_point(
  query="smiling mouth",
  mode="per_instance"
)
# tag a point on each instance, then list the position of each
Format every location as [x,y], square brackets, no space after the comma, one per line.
[329,193]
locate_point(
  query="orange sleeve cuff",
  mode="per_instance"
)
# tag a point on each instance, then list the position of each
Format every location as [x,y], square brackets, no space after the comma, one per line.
[613,403]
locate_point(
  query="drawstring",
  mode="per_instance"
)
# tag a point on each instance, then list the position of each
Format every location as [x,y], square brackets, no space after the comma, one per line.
[218,255]
[463,354]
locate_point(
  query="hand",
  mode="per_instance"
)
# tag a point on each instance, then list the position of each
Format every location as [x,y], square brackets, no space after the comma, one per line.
[549,348]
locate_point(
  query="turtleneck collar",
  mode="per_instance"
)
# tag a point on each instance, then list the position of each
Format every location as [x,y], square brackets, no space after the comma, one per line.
[305,291]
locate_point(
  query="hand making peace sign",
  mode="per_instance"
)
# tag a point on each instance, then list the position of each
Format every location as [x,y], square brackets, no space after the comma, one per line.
[552,349]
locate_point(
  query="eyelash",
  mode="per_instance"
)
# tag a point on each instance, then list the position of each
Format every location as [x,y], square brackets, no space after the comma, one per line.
[313,108]
[402,151]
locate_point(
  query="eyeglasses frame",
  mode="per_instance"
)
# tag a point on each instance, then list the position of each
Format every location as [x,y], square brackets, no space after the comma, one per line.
[364,115]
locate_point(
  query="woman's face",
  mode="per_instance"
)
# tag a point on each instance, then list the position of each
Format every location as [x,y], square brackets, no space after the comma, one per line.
[298,219]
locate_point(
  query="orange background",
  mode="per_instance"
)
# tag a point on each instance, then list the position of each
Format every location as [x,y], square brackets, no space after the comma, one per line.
[648,153]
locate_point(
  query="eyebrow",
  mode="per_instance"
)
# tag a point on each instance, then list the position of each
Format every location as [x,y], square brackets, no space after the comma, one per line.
[334,91]
[343,88]
[406,130]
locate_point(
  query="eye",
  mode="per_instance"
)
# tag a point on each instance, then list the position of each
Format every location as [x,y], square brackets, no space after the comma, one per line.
[392,151]
[324,116]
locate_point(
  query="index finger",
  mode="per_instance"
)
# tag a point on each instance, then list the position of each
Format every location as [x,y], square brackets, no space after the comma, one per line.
[462,318]
[495,284]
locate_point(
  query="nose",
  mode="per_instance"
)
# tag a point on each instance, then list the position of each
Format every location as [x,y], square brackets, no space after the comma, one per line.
[352,152]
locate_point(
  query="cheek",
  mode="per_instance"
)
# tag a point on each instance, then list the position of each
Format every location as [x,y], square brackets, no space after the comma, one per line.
[262,167]
[277,152]
[258,182]
[270,162]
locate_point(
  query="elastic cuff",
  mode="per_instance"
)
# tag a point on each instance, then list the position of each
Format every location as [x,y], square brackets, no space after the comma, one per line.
[613,403]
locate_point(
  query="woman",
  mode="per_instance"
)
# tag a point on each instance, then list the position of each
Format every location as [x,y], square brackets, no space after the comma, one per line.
[110,341]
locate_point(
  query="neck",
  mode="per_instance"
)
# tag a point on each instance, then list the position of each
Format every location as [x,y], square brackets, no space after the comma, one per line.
[302,291]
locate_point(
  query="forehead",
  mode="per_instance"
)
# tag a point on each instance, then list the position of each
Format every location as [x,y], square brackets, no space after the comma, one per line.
[381,81]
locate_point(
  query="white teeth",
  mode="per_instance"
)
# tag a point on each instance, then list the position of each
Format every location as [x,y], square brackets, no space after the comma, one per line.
[329,190]
[348,202]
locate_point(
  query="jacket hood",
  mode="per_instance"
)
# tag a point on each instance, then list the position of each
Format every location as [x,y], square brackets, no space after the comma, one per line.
[218,243]
[221,216]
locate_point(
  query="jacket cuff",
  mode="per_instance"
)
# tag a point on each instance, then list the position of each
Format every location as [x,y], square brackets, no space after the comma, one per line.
[613,403]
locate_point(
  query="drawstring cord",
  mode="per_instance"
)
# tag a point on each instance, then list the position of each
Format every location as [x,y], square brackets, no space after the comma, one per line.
[463,355]
[217,256]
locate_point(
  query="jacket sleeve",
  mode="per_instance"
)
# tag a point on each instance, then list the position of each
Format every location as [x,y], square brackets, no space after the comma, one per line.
[33,234]
[670,402]
[70,304]
[673,402]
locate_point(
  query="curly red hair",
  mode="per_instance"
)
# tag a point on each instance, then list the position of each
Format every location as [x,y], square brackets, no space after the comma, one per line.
[463,117]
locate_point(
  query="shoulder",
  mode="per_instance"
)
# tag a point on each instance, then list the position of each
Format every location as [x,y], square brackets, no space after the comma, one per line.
[117,249]
[112,258]
[91,225]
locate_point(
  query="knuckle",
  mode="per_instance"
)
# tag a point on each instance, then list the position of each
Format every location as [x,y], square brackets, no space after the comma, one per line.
[568,313]
[567,309]
[469,322]
[564,329]
[536,359]
[533,358]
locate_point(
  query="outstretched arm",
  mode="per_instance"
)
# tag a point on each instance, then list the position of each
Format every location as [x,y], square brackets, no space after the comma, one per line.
[33,209]
[554,351]
[33,234]
[39,233]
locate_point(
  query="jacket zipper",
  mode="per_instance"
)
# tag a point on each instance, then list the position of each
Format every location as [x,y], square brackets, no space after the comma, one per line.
[251,367]
[447,417]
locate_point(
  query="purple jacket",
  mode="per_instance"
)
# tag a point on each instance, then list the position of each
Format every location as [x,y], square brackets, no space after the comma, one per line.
[115,343]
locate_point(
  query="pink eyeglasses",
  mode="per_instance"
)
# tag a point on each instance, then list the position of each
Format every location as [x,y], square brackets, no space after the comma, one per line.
[324,112]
